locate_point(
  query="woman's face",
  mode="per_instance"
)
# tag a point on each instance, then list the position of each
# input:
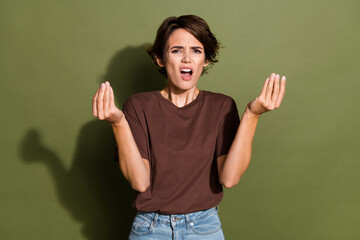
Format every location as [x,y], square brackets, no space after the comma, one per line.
[184,60]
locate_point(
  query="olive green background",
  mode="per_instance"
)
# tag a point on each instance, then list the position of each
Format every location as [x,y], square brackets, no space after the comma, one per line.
[57,177]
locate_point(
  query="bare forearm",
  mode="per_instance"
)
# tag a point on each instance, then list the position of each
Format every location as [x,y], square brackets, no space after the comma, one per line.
[233,165]
[238,158]
[134,168]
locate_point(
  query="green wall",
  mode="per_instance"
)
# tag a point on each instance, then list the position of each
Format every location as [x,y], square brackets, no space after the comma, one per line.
[58,180]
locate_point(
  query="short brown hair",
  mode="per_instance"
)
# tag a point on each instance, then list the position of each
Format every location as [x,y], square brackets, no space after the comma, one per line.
[194,25]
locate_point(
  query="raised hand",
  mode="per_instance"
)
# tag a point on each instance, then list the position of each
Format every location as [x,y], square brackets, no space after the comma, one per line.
[271,95]
[103,105]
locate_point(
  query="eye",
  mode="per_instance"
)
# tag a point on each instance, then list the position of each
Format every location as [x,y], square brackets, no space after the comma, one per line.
[175,51]
[197,51]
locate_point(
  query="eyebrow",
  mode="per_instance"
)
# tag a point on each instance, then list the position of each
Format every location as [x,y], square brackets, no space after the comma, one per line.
[181,47]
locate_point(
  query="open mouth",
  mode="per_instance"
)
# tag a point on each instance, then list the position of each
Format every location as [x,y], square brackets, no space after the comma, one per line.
[186,73]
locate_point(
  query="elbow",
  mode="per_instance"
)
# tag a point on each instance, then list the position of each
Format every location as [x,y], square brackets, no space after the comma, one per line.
[230,183]
[140,187]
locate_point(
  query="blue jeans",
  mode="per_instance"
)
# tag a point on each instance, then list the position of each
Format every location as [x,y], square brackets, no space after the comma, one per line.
[192,226]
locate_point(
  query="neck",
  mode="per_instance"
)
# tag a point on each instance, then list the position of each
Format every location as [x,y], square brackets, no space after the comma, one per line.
[178,97]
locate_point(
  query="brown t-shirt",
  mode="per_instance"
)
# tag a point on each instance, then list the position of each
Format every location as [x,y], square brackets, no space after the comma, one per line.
[182,144]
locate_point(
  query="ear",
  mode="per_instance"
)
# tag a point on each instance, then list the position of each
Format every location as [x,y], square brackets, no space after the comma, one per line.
[160,62]
[206,62]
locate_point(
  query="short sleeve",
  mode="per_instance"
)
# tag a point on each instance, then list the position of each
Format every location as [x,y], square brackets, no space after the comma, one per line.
[228,127]
[136,119]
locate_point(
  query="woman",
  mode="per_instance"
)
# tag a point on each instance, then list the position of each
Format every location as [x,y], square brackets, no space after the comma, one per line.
[177,147]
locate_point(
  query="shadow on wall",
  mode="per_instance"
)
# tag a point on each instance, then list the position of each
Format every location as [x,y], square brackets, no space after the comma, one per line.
[93,189]
[131,71]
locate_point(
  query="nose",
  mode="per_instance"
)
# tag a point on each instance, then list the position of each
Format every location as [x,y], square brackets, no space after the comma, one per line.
[186,57]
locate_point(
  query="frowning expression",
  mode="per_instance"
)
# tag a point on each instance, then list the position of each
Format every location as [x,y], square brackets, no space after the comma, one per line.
[184,60]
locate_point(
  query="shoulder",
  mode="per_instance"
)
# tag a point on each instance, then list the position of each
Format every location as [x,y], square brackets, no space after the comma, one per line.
[140,99]
[219,98]
[137,103]
[226,103]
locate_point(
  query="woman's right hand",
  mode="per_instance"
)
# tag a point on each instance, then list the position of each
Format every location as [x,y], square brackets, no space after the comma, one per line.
[103,105]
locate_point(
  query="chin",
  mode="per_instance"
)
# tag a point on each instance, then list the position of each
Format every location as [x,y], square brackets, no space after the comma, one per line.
[185,85]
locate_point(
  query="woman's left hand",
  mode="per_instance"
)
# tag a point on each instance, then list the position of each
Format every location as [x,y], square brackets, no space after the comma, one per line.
[270,97]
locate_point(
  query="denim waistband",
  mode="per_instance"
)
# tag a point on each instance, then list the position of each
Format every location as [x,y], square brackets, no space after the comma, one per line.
[187,218]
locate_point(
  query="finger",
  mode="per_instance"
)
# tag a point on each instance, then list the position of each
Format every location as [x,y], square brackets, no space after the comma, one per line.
[263,91]
[106,98]
[111,103]
[270,88]
[100,102]
[282,91]
[275,94]
[94,107]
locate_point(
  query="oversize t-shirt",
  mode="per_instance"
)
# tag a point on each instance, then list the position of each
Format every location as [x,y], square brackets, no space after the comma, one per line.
[182,144]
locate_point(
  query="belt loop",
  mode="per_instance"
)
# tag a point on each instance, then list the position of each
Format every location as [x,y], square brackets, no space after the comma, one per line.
[188,221]
[187,218]
[155,219]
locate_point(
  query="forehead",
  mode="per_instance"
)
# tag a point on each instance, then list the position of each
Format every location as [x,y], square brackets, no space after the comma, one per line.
[181,37]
